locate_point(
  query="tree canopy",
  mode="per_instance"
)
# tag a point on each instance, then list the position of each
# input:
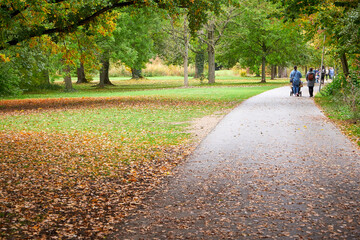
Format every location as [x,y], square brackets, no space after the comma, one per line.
[23,20]
[42,37]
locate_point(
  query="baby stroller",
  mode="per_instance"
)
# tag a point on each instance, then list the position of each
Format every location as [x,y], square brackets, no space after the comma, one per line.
[300,86]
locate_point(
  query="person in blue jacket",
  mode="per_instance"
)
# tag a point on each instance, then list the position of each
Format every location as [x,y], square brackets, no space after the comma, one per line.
[295,76]
[331,73]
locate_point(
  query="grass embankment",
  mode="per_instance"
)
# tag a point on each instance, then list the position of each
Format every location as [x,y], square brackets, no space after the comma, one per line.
[341,114]
[74,167]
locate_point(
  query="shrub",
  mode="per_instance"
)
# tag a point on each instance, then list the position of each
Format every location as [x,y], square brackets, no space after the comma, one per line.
[238,71]
[154,68]
[9,83]
[119,70]
[346,91]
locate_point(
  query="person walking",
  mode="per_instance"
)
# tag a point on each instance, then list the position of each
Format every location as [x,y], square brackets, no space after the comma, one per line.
[295,76]
[322,74]
[316,75]
[326,73]
[310,78]
[331,73]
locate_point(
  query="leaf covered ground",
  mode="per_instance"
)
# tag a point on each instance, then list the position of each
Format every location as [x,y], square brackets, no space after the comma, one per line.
[72,168]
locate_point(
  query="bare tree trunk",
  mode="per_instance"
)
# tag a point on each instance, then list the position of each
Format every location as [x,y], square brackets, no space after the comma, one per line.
[211,51]
[136,73]
[45,77]
[282,72]
[67,79]
[263,73]
[197,75]
[81,74]
[279,72]
[306,70]
[186,53]
[104,72]
[103,75]
[273,72]
[344,64]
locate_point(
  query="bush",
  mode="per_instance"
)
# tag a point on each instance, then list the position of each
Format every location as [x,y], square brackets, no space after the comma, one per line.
[334,87]
[239,71]
[345,91]
[153,69]
[9,83]
[119,70]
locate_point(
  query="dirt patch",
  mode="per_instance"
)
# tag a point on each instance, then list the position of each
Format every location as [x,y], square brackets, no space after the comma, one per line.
[201,127]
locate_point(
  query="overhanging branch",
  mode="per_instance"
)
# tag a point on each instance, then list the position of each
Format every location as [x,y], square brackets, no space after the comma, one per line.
[70,28]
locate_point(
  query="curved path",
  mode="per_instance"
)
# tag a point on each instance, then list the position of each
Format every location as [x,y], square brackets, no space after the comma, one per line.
[273,168]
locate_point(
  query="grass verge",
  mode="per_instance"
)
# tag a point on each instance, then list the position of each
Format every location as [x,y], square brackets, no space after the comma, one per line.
[341,115]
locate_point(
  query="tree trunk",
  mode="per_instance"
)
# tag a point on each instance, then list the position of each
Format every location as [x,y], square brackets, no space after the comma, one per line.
[81,74]
[186,53]
[344,64]
[45,77]
[279,72]
[306,70]
[199,64]
[67,79]
[273,72]
[196,70]
[136,73]
[282,72]
[104,72]
[211,51]
[263,72]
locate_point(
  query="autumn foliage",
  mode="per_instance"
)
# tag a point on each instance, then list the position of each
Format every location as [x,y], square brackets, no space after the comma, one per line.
[61,103]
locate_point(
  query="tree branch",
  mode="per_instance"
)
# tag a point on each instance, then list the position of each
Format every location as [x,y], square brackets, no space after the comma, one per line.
[66,29]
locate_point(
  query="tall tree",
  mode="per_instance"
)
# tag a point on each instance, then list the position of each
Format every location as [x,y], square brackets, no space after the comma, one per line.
[132,39]
[257,38]
[212,33]
[178,43]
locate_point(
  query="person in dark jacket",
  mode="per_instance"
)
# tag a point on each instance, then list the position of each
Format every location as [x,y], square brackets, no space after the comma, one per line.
[323,72]
[310,78]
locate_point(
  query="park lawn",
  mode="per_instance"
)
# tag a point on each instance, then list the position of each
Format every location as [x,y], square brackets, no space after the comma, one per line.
[74,171]
[341,115]
[124,85]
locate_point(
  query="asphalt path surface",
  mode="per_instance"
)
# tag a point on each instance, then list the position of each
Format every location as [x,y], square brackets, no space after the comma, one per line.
[273,168]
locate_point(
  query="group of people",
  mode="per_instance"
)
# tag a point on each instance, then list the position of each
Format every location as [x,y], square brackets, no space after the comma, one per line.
[312,76]
[326,73]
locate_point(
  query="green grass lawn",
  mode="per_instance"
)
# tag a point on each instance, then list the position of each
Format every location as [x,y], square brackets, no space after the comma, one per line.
[145,117]
[125,85]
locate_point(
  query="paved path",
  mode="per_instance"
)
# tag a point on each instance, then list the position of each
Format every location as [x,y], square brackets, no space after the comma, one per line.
[273,168]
